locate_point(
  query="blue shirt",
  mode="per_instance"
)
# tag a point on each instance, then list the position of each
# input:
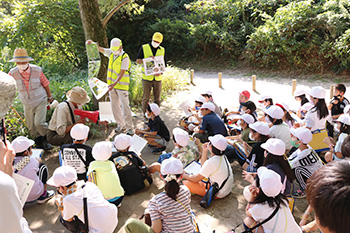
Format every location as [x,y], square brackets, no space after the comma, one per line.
[213,125]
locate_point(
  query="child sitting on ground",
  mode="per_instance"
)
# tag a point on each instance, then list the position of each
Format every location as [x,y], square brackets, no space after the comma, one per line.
[78,155]
[208,95]
[31,168]
[243,98]
[304,161]
[129,166]
[157,133]
[189,123]
[107,179]
[343,127]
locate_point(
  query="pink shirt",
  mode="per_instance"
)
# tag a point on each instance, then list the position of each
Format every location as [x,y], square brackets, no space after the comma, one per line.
[26,75]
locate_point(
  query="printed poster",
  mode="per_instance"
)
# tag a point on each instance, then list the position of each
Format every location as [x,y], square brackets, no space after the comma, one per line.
[154,65]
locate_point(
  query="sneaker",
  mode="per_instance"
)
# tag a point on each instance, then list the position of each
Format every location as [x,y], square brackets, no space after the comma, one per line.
[130,132]
[158,150]
[151,146]
[48,196]
[119,129]
[299,194]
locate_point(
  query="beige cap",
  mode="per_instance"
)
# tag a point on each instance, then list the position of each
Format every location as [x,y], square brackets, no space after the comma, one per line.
[78,95]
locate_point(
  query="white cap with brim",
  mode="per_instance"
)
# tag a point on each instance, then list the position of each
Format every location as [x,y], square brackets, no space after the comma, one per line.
[21,144]
[274,111]
[299,92]
[303,134]
[260,127]
[218,141]
[209,106]
[102,151]
[171,166]
[122,141]
[155,109]
[345,119]
[270,182]
[317,92]
[79,132]
[181,137]
[200,99]
[63,176]
[207,93]
[249,119]
[264,97]
[274,146]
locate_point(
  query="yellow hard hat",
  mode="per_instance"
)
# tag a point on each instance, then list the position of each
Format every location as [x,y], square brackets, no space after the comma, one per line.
[158,37]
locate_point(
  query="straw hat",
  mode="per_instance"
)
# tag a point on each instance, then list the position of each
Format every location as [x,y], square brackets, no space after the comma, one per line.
[78,95]
[7,92]
[21,55]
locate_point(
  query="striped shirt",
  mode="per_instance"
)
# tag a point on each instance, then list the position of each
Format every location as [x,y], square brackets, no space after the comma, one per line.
[26,75]
[173,214]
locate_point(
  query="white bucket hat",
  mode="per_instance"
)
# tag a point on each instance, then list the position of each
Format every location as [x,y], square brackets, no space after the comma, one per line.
[274,111]
[79,132]
[270,182]
[78,95]
[181,137]
[102,151]
[63,176]
[200,99]
[249,119]
[209,106]
[21,144]
[274,146]
[260,127]
[345,119]
[155,109]
[122,141]
[303,134]
[7,92]
[317,92]
[219,142]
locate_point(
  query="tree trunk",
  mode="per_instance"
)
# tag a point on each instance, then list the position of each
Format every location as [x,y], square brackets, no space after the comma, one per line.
[92,23]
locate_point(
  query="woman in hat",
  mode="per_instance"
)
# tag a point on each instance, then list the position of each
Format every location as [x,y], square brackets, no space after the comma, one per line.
[34,93]
[264,200]
[170,211]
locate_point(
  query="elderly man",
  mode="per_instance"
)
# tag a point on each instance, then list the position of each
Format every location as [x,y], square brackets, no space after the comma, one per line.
[63,118]
[152,49]
[34,92]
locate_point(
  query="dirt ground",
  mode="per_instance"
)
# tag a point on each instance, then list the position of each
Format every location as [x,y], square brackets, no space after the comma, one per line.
[224,214]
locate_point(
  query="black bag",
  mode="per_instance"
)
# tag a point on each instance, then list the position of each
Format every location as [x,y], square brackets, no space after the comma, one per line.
[213,189]
[132,177]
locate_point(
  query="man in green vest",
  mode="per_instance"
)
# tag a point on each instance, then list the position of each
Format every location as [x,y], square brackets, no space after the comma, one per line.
[152,49]
[118,84]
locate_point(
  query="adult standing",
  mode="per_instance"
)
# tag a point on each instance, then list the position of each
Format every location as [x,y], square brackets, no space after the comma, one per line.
[118,84]
[34,93]
[152,49]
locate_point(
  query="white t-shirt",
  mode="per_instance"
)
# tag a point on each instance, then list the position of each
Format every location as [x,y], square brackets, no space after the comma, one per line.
[283,221]
[103,216]
[11,219]
[339,143]
[281,132]
[125,61]
[312,121]
[218,174]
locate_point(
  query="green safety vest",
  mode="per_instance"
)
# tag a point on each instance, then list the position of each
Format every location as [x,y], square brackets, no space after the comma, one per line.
[147,52]
[114,68]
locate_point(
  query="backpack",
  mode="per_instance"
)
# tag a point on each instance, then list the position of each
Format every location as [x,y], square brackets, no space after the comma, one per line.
[132,177]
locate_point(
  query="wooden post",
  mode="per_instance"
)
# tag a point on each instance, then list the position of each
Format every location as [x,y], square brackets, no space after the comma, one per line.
[331,92]
[294,85]
[254,82]
[220,79]
[192,75]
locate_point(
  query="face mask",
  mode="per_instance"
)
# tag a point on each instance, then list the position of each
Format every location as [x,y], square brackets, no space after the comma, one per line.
[337,128]
[147,116]
[239,122]
[267,119]
[116,53]
[23,67]
[243,111]
[155,44]
[197,108]
[294,143]
[251,136]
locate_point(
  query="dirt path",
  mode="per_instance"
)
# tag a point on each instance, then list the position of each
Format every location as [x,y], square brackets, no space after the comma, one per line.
[223,214]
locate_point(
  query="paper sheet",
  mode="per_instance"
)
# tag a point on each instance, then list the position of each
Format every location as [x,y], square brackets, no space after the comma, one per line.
[184,106]
[24,186]
[193,168]
[138,144]
[37,153]
[98,87]
[154,66]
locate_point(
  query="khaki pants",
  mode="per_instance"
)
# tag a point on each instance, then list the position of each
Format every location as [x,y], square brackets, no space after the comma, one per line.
[122,115]
[36,119]
[147,86]
[58,140]
[137,226]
